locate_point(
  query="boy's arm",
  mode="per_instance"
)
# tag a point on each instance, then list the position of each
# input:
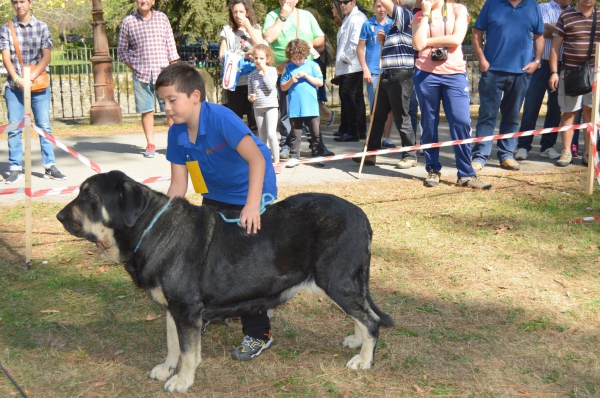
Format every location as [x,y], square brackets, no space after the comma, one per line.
[179,181]
[285,86]
[315,81]
[250,215]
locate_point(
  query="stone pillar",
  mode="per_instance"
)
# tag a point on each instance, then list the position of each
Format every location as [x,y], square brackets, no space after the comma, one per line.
[105,110]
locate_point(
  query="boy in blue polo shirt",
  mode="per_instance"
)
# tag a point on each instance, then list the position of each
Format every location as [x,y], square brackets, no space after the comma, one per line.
[228,165]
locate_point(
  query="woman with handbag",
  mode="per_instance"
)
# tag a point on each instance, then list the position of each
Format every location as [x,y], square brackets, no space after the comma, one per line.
[242,33]
[32,35]
[440,74]
[575,26]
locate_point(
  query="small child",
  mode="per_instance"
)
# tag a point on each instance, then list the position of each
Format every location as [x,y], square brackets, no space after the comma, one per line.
[301,78]
[228,165]
[262,92]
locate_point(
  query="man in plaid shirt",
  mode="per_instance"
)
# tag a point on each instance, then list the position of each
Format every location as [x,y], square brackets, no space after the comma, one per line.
[35,45]
[146,46]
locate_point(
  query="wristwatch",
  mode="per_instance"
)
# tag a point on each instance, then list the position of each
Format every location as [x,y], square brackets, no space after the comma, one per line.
[553,73]
[539,62]
[283,19]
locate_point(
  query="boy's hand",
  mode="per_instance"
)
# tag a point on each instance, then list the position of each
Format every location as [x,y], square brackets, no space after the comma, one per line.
[252,97]
[295,78]
[302,74]
[250,219]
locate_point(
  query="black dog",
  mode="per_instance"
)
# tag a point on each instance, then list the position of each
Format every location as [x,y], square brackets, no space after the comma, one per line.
[197,266]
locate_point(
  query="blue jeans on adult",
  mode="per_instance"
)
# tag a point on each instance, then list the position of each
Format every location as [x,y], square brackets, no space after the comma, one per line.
[502,91]
[40,106]
[538,87]
[413,110]
[430,88]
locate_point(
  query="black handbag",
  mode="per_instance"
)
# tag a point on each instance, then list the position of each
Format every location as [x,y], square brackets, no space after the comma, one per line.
[579,81]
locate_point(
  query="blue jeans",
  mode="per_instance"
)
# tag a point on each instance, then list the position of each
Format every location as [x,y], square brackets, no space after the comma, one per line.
[538,86]
[371,88]
[413,110]
[40,105]
[505,92]
[430,88]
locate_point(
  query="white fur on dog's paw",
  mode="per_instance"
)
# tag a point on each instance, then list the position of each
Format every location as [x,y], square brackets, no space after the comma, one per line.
[161,372]
[352,341]
[357,363]
[178,384]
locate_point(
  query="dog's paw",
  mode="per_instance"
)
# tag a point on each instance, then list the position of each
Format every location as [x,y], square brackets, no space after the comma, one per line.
[358,363]
[352,341]
[161,372]
[178,383]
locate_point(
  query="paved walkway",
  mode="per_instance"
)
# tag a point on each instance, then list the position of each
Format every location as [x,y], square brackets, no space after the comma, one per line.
[124,152]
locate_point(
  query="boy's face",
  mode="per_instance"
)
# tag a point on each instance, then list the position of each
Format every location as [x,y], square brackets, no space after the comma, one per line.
[22,7]
[298,60]
[181,108]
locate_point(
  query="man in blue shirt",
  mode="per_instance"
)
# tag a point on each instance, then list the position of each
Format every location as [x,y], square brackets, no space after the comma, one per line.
[506,64]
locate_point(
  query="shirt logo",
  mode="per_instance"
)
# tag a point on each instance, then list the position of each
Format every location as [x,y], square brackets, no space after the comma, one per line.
[221,145]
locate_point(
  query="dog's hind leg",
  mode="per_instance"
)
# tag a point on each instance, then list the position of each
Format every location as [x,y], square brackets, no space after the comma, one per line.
[370,334]
[191,358]
[165,370]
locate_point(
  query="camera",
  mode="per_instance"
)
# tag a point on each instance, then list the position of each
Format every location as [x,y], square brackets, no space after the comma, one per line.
[439,54]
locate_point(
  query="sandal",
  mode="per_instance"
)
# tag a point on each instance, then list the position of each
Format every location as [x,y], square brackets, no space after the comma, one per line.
[330,121]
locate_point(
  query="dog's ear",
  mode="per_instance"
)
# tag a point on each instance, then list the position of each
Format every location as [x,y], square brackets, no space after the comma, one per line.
[134,202]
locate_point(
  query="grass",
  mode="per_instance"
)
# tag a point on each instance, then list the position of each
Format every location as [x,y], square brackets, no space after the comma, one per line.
[481,310]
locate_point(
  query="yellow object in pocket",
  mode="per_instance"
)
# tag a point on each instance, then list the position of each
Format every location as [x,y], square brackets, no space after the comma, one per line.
[196,176]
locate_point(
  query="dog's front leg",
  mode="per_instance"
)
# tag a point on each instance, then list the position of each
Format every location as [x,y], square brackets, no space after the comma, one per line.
[191,358]
[165,370]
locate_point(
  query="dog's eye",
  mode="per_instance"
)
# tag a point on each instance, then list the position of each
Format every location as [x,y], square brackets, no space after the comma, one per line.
[88,197]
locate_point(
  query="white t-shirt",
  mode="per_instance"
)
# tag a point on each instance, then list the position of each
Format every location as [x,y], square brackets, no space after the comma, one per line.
[239,40]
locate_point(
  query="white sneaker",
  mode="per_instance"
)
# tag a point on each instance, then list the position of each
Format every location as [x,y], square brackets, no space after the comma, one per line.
[550,153]
[293,162]
[522,154]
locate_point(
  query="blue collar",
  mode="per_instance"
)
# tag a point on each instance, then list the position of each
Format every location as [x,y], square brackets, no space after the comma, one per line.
[151,225]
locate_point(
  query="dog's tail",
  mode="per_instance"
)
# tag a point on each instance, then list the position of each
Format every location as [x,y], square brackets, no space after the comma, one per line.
[385,320]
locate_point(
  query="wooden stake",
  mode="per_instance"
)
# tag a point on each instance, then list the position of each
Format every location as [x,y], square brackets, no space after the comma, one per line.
[372,113]
[27,166]
[591,174]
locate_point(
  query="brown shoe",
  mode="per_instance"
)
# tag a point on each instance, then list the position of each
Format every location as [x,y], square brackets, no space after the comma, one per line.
[510,164]
[477,166]
[473,182]
[433,179]
[369,160]
[406,163]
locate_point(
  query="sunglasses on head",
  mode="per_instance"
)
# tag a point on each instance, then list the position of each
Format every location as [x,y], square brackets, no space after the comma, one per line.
[344,2]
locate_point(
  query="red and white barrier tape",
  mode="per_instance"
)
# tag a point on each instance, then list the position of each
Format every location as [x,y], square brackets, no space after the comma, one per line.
[443,144]
[11,126]
[70,151]
[584,219]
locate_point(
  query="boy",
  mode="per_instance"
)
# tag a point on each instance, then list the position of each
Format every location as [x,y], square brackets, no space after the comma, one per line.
[228,164]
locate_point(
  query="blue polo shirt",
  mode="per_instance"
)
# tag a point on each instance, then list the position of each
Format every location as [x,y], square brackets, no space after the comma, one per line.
[368,33]
[224,170]
[509,33]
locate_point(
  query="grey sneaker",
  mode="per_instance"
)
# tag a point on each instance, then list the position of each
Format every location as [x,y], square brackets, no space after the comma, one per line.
[406,163]
[549,153]
[521,154]
[14,176]
[250,348]
[433,179]
[473,182]
[285,153]
[54,173]
[565,159]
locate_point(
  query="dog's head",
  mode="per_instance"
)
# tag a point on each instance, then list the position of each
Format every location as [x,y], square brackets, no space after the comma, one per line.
[106,203]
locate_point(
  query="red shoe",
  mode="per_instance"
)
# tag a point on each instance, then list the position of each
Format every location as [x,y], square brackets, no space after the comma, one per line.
[150,151]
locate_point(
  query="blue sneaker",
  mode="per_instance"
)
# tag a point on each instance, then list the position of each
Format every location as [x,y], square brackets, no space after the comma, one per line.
[250,348]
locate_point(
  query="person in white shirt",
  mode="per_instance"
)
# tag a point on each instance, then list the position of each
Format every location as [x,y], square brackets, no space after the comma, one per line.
[348,68]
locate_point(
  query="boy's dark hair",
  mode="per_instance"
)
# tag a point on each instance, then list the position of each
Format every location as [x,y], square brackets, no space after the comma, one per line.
[297,48]
[249,13]
[184,77]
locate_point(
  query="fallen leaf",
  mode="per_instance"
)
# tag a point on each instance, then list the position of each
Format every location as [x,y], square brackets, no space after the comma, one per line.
[560,247]
[593,247]
[101,269]
[79,266]
[481,224]
[418,389]
[560,283]
[371,385]
[345,394]
[488,268]
[65,260]
[49,311]
[89,253]
[152,317]
[598,260]
[424,377]
[118,353]
[215,336]
[568,294]
[502,287]
[100,384]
